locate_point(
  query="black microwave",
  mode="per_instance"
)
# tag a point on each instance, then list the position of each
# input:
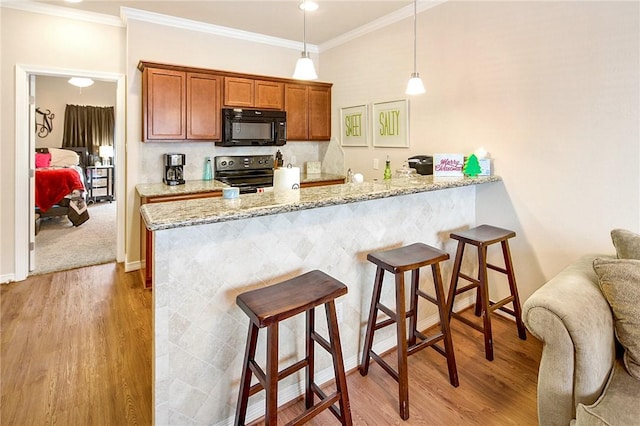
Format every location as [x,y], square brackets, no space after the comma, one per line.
[252,127]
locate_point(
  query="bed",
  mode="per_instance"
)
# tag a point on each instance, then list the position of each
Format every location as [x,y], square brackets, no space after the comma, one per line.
[60,184]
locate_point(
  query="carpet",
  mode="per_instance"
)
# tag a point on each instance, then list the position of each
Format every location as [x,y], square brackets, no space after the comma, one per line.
[61,246]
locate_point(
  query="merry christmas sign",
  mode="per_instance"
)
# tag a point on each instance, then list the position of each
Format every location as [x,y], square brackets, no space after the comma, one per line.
[448,165]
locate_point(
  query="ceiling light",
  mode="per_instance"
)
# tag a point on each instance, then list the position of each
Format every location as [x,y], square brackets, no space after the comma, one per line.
[80,81]
[73,1]
[308,5]
[304,67]
[414,86]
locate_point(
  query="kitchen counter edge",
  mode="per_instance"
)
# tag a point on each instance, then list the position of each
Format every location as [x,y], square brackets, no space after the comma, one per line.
[177,214]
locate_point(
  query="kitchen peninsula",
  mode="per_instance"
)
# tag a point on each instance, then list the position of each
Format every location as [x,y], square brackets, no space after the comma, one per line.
[192,189]
[208,250]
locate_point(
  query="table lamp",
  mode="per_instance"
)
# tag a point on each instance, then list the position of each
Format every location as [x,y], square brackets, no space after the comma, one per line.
[106,153]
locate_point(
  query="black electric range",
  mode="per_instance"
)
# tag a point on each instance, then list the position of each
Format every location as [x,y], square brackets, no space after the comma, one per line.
[250,173]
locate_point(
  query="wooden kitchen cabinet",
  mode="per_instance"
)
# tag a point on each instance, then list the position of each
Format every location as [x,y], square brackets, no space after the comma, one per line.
[180,105]
[184,103]
[164,107]
[204,121]
[308,112]
[253,93]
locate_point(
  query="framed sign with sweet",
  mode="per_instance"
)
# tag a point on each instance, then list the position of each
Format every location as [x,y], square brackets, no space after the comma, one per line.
[353,126]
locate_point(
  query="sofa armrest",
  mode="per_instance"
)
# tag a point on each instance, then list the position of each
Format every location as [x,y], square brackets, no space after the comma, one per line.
[572,318]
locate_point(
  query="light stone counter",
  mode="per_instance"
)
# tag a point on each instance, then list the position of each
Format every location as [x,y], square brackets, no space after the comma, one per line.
[150,190]
[208,251]
[211,210]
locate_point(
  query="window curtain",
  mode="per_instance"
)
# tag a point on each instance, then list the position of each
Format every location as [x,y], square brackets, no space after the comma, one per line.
[88,126]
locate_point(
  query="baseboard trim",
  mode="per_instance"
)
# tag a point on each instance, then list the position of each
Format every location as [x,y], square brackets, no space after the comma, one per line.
[7,278]
[132,266]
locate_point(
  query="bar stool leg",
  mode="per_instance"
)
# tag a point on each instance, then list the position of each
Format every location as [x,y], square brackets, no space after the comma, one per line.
[413,307]
[245,378]
[517,310]
[484,301]
[271,388]
[310,352]
[338,363]
[403,374]
[457,264]
[373,314]
[445,327]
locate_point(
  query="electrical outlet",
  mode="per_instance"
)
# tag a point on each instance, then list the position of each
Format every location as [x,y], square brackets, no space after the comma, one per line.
[376,164]
[339,311]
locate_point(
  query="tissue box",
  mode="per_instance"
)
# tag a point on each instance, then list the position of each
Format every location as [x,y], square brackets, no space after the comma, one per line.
[313,167]
[448,165]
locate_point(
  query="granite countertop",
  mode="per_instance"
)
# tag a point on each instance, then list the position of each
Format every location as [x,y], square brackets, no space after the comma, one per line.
[189,187]
[199,186]
[176,214]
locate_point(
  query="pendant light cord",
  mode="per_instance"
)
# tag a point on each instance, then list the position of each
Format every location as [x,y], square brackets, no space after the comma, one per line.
[415,8]
[304,30]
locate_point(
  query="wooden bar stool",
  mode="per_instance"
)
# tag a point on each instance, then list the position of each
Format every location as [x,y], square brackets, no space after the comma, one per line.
[482,237]
[398,261]
[266,307]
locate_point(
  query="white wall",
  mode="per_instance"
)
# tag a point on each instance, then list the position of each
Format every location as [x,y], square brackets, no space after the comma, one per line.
[43,41]
[550,89]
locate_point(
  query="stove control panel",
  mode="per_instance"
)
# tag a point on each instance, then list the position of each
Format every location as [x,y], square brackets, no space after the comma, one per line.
[240,162]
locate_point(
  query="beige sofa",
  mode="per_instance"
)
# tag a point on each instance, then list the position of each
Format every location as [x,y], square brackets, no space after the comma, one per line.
[581,380]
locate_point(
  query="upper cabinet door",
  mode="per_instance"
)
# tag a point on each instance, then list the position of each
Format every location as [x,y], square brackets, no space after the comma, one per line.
[319,113]
[296,101]
[269,94]
[165,109]
[238,92]
[203,106]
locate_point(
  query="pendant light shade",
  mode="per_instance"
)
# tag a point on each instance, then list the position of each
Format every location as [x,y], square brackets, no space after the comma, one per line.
[415,86]
[304,67]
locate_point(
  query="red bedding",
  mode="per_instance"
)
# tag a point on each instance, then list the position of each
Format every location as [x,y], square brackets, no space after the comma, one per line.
[52,185]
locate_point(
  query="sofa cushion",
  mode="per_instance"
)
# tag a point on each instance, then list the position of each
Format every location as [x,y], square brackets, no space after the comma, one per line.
[618,404]
[627,244]
[620,284]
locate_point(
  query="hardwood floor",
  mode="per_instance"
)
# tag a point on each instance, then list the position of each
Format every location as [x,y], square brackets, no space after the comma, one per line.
[76,350]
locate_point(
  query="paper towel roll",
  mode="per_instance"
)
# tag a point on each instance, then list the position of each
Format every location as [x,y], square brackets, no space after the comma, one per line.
[286,178]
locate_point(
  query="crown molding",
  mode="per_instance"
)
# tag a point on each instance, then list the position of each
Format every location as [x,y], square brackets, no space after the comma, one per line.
[380,23]
[63,12]
[128,13]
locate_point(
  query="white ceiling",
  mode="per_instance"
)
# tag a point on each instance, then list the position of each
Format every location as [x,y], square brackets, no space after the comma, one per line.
[282,19]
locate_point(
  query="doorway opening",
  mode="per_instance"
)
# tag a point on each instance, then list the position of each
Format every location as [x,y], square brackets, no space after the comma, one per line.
[25,225]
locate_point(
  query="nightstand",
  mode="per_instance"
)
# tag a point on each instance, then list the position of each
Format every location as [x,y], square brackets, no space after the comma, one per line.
[100,183]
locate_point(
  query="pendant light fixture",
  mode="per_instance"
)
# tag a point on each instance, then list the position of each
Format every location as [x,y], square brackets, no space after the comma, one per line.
[304,67]
[415,86]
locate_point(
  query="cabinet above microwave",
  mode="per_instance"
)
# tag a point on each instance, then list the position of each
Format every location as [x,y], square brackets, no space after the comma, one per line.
[185,104]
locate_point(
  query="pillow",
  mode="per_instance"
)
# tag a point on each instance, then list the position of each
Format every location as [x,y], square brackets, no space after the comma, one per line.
[42,160]
[627,244]
[620,284]
[63,157]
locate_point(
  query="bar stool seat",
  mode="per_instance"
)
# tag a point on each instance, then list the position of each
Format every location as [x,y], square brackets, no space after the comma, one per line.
[482,237]
[398,261]
[266,307]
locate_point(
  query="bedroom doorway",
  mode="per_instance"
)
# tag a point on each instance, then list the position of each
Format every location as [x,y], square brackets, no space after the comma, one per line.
[24,223]
[60,244]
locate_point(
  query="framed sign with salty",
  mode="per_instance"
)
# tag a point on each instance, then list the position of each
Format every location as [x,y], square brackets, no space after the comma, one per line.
[353,126]
[391,124]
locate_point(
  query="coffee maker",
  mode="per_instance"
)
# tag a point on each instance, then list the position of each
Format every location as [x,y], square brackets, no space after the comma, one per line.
[174,169]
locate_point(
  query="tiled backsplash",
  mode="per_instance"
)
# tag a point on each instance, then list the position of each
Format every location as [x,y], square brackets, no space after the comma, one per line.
[152,166]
